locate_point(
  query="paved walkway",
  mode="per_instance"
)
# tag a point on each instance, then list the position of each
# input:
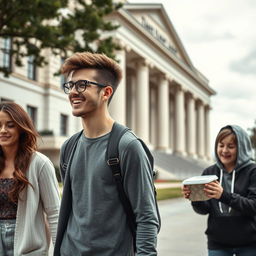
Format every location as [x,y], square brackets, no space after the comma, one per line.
[182,230]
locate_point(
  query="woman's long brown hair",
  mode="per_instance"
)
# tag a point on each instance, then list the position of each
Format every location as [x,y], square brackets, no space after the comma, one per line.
[27,145]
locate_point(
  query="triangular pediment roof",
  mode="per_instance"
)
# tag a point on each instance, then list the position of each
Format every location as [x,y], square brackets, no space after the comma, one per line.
[156,23]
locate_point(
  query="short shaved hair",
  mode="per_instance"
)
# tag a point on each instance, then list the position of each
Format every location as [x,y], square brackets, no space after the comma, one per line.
[110,71]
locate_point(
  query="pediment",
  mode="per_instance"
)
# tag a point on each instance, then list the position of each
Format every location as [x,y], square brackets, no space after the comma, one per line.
[156,23]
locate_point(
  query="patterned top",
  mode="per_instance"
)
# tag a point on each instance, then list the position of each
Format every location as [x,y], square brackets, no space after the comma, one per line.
[8,209]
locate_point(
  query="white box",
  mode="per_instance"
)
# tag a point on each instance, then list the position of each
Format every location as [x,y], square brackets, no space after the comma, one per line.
[196,186]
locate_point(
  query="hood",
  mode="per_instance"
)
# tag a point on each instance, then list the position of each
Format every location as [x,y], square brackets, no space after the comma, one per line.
[244,148]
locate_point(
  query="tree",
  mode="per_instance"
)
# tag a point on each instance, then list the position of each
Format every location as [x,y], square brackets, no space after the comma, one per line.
[253,138]
[34,25]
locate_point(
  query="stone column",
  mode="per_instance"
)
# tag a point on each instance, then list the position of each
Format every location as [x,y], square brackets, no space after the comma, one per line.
[191,119]
[154,129]
[179,122]
[207,133]
[201,130]
[163,113]
[171,123]
[131,102]
[117,106]
[142,101]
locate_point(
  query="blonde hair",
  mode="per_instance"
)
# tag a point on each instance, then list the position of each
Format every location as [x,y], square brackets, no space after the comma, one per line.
[110,71]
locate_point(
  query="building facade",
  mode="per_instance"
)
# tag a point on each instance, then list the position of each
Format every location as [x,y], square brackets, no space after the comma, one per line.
[162,96]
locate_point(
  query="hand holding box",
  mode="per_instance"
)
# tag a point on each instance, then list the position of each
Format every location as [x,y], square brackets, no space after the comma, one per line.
[196,186]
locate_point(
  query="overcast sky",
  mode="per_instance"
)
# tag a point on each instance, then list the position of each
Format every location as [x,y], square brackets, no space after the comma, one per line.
[220,39]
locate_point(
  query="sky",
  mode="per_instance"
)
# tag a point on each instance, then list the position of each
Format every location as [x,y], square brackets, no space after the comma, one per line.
[220,39]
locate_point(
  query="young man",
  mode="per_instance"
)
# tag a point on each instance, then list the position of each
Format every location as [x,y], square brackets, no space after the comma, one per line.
[92,219]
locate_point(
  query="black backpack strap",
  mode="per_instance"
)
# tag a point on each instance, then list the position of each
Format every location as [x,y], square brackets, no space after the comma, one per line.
[112,157]
[67,152]
[151,160]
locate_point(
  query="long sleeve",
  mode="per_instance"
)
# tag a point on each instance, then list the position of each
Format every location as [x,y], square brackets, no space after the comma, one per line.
[245,204]
[38,208]
[49,193]
[139,188]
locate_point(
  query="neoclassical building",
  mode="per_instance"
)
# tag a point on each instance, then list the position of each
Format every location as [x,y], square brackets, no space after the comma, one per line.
[162,96]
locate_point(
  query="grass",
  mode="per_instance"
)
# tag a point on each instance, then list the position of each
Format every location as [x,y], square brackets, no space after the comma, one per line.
[162,193]
[168,193]
[167,181]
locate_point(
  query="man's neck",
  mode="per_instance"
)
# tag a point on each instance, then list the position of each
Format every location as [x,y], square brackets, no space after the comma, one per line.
[97,126]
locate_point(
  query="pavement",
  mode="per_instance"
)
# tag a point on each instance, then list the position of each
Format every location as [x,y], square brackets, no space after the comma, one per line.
[182,230]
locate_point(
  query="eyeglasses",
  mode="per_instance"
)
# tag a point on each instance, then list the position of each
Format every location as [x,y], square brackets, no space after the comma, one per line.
[80,85]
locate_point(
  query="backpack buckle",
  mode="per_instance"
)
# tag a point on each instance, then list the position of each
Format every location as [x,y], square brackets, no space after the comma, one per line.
[113,161]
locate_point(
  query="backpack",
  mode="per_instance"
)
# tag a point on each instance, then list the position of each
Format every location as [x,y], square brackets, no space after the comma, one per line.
[112,159]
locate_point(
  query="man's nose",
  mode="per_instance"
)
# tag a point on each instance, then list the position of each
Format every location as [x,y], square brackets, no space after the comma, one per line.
[74,90]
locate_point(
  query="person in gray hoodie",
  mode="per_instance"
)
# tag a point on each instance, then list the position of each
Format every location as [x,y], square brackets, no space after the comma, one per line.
[231,207]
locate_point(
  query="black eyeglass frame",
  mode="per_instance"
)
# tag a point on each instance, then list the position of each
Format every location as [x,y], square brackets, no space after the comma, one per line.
[79,87]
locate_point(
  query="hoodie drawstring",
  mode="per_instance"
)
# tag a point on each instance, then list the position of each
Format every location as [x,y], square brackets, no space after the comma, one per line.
[232,186]
[233,181]
[221,177]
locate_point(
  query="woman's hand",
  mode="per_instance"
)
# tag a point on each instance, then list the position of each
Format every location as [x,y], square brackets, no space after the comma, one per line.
[213,189]
[186,191]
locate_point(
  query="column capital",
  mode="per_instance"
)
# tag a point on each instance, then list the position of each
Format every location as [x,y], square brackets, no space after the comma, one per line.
[169,78]
[190,95]
[200,102]
[178,87]
[144,62]
[165,77]
[208,107]
[123,45]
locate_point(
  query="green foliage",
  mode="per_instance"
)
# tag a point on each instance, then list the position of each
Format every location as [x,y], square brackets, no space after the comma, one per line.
[168,193]
[253,138]
[35,25]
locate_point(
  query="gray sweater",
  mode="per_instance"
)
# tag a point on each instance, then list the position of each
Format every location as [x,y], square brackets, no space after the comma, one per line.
[96,222]
[38,209]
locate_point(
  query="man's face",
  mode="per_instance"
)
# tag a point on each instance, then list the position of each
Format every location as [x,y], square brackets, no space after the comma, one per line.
[85,103]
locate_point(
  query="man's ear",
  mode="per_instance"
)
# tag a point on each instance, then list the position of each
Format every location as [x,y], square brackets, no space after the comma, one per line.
[107,92]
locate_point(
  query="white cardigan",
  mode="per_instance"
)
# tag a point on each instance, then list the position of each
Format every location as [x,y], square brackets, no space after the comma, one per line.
[38,209]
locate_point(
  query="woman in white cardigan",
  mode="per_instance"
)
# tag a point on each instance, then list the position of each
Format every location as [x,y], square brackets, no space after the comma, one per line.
[29,195]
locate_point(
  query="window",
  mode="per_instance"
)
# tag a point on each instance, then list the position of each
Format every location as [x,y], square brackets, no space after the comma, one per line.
[63,124]
[7,47]
[31,67]
[32,112]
